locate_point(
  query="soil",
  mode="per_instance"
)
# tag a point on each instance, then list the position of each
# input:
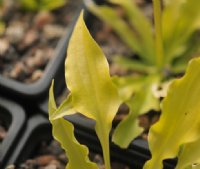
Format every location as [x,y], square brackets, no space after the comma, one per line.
[29,39]
[51,156]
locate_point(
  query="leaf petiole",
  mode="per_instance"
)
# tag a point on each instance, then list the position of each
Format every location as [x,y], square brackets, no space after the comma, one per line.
[158,33]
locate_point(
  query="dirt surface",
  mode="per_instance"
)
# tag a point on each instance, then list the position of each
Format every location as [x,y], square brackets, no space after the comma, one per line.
[29,40]
[51,156]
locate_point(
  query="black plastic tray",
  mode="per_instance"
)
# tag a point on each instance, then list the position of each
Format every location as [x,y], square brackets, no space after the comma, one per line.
[14,117]
[54,69]
[38,128]
[135,155]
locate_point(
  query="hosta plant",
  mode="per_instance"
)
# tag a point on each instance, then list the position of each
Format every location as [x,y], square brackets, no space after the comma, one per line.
[95,95]
[163,47]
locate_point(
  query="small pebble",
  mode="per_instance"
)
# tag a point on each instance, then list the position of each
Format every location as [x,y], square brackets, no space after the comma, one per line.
[10,167]
[30,37]
[56,163]
[44,159]
[98,159]
[53,31]
[51,166]
[15,32]
[39,57]
[17,70]
[29,62]
[43,18]
[36,75]
[62,157]
[29,164]
[4,46]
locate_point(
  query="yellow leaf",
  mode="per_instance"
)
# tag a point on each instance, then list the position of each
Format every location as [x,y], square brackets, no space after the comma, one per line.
[180,120]
[140,103]
[66,108]
[88,79]
[141,25]
[110,16]
[128,85]
[190,154]
[177,15]
[63,131]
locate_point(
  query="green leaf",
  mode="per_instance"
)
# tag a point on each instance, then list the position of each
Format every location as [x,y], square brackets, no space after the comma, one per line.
[34,5]
[92,91]
[63,131]
[51,4]
[179,123]
[110,16]
[179,66]
[194,166]
[128,85]
[176,18]
[133,64]
[29,4]
[140,103]
[141,25]
[66,108]
[2,27]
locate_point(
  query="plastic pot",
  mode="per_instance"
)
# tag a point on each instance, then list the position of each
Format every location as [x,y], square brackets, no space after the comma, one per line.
[39,130]
[135,155]
[54,69]
[13,117]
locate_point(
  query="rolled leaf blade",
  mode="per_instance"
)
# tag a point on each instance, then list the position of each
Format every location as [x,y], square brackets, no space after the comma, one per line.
[66,107]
